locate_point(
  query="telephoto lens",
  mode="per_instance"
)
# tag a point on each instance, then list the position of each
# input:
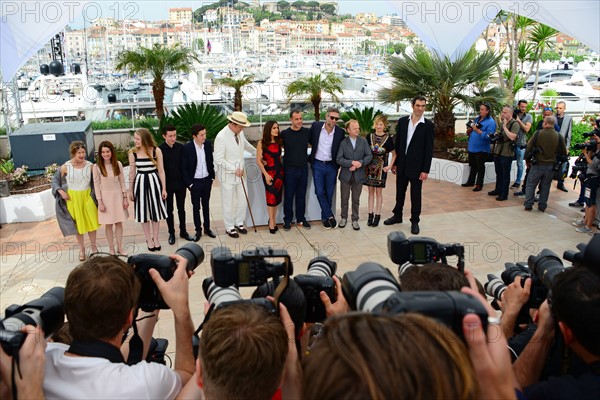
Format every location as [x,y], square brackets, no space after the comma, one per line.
[321,266]
[494,287]
[193,253]
[546,265]
[368,286]
[218,295]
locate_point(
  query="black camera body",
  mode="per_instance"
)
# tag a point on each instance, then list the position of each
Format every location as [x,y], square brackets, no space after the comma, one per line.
[150,297]
[248,268]
[588,255]
[48,312]
[317,279]
[422,250]
[470,124]
[579,166]
[589,146]
[595,132]
[496,137]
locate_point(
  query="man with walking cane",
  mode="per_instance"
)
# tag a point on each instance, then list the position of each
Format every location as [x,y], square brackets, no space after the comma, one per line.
[230,145]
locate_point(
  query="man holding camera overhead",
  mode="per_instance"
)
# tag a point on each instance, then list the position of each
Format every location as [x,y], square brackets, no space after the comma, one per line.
[545,147]
[101,297]
[504,151]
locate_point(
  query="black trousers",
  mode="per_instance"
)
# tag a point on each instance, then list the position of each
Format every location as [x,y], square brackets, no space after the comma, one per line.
[477,164]
[177,191]
[416,186]
[200,193]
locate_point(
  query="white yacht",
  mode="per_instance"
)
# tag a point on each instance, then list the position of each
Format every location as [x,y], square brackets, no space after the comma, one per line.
[131,84]
[58,98]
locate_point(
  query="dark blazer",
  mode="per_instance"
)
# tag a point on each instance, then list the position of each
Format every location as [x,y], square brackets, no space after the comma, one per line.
[315,131]
[420,151]
[346,154]
[189,161]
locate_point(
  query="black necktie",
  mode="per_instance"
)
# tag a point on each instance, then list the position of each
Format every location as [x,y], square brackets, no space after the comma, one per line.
[237,139]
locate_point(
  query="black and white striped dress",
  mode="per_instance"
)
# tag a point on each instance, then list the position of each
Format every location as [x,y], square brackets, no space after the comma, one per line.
[149,205]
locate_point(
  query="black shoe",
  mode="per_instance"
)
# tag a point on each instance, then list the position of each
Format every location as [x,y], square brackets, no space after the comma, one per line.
[562,187]
[274,230]
[519,194]
[467,184]
[501,198]
[370,219]
[326,224]
[305,224]
[515,185]
[241,229]
[493,193]
[186,236]
[150,248]
[171,239]
[414,228]
[393,220]
[197,236]
[287,226]
[575,204]
[157,248]
[478,188]
[332,222]
[210,233]
[541,209]
[233,233]
[528,208]
[376,220]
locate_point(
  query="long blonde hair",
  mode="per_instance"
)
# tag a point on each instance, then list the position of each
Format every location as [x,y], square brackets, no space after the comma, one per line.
[147,143]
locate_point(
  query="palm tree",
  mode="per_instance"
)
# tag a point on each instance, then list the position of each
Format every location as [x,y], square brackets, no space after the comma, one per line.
[237,85]
[312,87]
[540,36]
[444,82]
[158,60]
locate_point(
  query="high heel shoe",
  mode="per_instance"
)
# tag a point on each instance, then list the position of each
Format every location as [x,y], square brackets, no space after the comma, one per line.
[370,220]
[274,230]
[150,248]
[156,248]
[376,220]
[82,255]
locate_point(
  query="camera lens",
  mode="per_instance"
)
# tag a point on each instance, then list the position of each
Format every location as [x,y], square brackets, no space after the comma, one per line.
[218,295]
[321,266]
[368,286]
[193,253]
[546,265]
[494,287]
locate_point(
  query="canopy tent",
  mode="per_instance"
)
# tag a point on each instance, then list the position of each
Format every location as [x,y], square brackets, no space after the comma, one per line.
[447,27]
[27,26]
[451,27]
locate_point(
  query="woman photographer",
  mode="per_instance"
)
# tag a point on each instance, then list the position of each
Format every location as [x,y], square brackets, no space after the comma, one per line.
[592,183]
[479,146]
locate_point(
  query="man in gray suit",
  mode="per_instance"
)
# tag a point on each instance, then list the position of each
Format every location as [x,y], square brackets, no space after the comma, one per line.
[565,123]
[353,155]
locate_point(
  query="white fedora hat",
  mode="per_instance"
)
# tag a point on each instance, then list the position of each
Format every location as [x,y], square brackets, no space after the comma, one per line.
[238,117]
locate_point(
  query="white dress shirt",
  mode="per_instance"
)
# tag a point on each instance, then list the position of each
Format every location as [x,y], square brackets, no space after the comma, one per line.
[201,170]
[411,130]
[325,143]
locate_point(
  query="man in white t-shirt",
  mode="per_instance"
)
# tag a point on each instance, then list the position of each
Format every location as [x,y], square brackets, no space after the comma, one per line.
[100,298]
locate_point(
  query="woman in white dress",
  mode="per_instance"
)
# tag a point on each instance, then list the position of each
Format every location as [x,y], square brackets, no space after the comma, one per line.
[148,189]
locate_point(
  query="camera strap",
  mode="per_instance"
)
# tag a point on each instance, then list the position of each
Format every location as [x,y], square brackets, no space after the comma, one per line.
[101,349]
[97,348]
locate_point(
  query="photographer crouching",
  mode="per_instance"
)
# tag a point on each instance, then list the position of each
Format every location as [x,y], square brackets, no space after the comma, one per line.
[101,298]
[545,150]
[504,152]
[591,152]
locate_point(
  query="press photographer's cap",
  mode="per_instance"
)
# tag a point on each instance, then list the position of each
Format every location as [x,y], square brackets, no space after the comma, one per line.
[238,117]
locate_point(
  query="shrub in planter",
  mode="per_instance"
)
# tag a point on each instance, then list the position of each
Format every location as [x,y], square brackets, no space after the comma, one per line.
[50,171]
[19,176]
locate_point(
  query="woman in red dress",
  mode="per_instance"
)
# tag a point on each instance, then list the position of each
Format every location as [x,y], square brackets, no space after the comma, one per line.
[268,158]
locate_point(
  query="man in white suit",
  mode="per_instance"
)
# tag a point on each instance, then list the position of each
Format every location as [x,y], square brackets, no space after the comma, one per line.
[230,144]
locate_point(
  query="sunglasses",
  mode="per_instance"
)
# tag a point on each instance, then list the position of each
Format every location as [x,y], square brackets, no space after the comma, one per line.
[548,109]
[334,118]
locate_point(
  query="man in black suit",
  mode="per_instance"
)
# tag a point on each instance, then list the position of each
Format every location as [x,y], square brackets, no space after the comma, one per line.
[414,151]
[325,139]
[171,151]
[198,171]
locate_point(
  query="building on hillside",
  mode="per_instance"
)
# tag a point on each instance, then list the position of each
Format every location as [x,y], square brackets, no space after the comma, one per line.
[181,15]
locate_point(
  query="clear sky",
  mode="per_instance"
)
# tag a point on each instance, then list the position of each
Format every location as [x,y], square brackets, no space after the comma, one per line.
[159,9]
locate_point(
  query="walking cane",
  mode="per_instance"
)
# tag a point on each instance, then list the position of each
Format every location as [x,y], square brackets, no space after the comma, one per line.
[248,202]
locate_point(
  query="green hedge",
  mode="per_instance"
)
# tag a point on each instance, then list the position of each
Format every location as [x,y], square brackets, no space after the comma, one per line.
[123,123]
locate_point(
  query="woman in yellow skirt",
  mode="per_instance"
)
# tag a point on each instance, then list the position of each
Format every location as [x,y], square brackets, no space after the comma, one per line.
[81,206]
